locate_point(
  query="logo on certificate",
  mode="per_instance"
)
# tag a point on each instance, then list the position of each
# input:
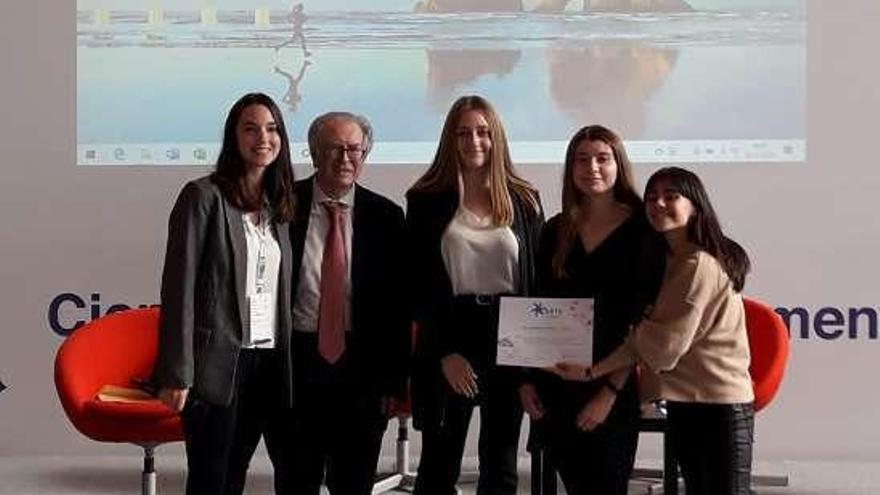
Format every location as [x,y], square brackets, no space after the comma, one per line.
[539,309]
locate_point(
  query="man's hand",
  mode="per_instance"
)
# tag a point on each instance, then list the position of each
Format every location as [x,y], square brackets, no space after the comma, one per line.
[460,375]
[174,398]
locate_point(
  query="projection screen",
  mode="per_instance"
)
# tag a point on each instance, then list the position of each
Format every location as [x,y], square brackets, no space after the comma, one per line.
[683,82]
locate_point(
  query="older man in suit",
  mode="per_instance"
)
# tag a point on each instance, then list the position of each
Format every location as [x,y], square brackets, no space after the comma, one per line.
[350,341]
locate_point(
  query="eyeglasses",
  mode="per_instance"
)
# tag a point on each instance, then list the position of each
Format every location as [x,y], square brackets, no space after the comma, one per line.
[354,152]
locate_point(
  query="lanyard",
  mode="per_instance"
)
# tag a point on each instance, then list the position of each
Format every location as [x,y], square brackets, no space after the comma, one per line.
[261,281]
[262,233]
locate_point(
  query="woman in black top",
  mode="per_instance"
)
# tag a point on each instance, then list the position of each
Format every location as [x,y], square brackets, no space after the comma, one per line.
[473,229]
[598,247]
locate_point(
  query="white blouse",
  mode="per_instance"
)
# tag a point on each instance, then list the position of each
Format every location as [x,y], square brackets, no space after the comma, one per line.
[480,258]
[261,238]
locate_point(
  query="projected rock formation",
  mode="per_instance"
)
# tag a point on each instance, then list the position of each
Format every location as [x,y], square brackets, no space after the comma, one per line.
[469,6]
[449,70]
[608,82]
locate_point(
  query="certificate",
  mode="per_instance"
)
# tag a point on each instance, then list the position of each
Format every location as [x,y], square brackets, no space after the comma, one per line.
[540,332]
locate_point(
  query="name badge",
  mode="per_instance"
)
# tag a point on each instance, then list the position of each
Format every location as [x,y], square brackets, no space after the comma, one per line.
[261,331]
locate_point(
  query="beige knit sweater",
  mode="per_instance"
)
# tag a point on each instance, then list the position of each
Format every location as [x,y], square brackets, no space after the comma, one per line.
[693,345]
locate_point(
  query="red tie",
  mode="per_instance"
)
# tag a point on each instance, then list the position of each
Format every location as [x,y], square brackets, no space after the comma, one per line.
[331,309]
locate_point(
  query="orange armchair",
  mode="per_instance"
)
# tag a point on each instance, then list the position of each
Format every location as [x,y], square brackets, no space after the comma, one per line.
[117,349]
[769,347]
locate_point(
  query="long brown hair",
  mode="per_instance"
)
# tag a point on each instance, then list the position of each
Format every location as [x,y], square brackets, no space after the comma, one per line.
[231,171]
[504,182]
[573,200]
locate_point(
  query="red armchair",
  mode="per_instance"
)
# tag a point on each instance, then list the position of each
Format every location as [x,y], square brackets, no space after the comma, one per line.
[117,349]
[769,346]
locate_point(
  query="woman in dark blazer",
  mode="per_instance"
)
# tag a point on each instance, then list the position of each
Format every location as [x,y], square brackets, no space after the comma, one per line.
[601,247]
[224,338]
[473,227]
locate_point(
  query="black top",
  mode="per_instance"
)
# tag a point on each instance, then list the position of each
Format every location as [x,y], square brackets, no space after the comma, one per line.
[622,275]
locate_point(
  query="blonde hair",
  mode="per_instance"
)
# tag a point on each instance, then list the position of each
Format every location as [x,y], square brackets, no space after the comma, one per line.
[443,174]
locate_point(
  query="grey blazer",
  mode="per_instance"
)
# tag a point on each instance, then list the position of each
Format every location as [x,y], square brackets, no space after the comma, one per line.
[203,295]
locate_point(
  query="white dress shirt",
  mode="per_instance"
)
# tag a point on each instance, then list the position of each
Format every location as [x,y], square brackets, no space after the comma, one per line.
[308,291]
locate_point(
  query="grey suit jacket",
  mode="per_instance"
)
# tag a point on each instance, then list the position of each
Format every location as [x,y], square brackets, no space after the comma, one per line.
[203,295]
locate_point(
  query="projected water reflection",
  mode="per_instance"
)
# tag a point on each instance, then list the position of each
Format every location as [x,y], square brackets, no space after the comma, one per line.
[154,82]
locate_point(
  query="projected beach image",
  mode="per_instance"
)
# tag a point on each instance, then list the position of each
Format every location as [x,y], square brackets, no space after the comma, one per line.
[681,80]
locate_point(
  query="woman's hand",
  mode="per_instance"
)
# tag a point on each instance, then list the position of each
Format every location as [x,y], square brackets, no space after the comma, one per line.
[596,411]
[571,371]
[528,396]
[174,398]
[460,375]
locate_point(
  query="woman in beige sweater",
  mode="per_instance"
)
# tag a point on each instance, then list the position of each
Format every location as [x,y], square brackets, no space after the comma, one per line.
[693,343]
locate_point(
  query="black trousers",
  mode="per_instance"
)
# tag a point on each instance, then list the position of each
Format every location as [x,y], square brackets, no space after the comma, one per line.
[597,462]
[713,445]
[337,424]
[443,438]
[220,440]
[443,445]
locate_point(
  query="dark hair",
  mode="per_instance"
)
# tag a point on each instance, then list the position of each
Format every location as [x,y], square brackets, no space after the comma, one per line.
[504,182]
[624,189]
[278,178]
[703,228]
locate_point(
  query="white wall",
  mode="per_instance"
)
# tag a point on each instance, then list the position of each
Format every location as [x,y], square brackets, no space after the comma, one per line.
[812,229]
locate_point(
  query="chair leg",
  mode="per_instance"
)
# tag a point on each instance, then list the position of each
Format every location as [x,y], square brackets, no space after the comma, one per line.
[401,460]
[543,475]
[548,476]
[402,478]
[770,480]
[667,480]
[148,477]
[670,467]
[537,456]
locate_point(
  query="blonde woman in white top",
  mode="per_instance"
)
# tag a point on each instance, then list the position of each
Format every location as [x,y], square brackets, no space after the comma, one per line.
[473,225]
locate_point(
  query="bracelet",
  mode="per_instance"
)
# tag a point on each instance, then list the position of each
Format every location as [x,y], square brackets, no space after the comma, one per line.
[610,386]
[588,374]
